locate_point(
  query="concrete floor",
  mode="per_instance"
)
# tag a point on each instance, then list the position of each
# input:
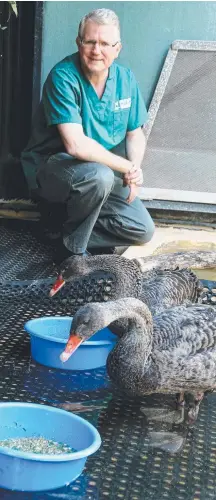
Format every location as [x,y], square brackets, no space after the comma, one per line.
[172,239]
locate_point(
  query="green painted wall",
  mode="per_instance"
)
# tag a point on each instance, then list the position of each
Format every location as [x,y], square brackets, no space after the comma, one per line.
[148,29]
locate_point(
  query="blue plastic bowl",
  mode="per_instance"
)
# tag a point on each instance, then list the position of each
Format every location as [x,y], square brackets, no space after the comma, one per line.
[24,471]
[50,334]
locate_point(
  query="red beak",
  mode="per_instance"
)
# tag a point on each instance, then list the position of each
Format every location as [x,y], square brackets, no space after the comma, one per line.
[73,343]
[59,283]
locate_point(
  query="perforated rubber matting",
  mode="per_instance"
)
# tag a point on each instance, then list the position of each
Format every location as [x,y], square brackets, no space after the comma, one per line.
[127,466]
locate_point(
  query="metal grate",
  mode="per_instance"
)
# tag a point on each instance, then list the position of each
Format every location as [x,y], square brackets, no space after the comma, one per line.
[181,146]
[126,467]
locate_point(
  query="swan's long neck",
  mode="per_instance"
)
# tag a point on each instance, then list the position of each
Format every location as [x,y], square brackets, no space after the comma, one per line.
[136,311]
[128,360]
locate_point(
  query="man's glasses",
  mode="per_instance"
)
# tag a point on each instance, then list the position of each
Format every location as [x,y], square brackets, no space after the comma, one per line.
[90,44]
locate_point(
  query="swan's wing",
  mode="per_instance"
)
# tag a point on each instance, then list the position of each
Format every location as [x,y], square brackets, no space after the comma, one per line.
[193,259]
[164,289]
[185,351]
[186,330]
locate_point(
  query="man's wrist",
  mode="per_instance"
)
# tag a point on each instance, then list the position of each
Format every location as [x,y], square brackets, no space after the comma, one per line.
[127,166]
[132,166]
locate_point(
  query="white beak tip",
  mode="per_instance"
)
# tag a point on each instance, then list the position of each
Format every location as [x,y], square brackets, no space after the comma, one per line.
[64,356]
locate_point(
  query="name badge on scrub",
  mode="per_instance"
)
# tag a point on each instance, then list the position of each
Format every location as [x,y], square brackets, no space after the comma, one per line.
[122,104]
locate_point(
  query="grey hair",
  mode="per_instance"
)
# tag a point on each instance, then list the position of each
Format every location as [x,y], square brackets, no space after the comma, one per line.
[100,16]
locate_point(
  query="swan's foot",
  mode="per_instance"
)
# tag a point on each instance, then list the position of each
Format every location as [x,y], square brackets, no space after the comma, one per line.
[166,441]
[164,415]
[194,409]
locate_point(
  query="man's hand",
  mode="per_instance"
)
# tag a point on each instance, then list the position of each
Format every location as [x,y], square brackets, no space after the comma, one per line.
[133,193]
[133,179]
[134,176]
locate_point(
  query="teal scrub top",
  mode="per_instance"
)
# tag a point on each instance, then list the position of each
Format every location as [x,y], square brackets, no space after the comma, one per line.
[68,97]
